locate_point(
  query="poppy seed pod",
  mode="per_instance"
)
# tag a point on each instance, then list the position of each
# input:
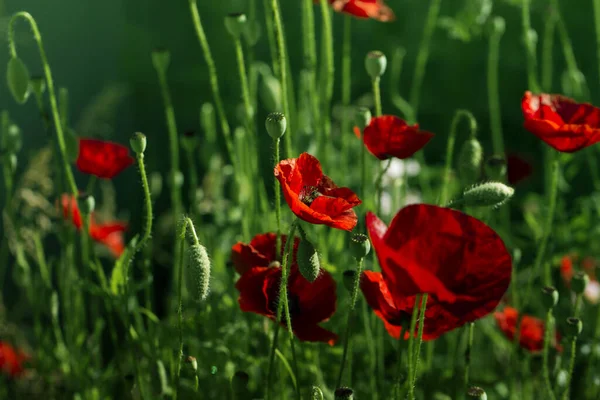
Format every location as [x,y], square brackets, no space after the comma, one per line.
[316,393]
[574,326]
[375,64]
[469,161]
[199,271]
[549,297]
[235,24]
[344,393]
[360,245]
[477,393]
[86,203]
[17,77]
[276,125]
[495,168]
[138,142]
[362,118]
[489,194]
[349,277]
[308,261]
[161,58]
[579,282]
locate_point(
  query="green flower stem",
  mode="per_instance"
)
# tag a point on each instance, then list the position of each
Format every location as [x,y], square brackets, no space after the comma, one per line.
[327,70]
[468,356]
[379,184]
[417,356]
[277,189]
[458,115]
[248,109]
[577,305]
[51,92]
[354,297]
[214,80]
[549,327]
[282,57]
[371,345]
[346,86]
[282,304]
[529,47]
[147,223]
[411,349]
[493,92]
[590,367]
[571,368]
[375,84]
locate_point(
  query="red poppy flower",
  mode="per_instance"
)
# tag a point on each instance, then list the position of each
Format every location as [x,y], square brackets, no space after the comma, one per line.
[103,159]
[531,336]
[458,260]
[260,252]
[310,303]
[389,136]
[313,196]
[517,169]
[561,122]
[11,360]
[109,234]
[375,9]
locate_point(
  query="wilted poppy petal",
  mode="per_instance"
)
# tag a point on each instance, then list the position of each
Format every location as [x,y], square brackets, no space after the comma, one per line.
[102,159]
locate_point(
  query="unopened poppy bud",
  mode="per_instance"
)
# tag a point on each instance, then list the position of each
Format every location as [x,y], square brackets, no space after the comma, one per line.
[199,271]
[86,203]
[574,326]
[349,277]
[316,393]
[235,24]
[13,141]
[274,264]
[38,86]
[344,393]
[489,194]
[189,141]
[495,168]
[138,142]
[549,297]
[360,245]
[375,64]
[17,77]
[476,393]
[469,161]
[161,58]
[193,363]
[362,118]
[579,282]
[276,125]
[308,260]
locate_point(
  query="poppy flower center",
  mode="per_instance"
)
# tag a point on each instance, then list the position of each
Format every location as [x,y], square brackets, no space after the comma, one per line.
[308,194]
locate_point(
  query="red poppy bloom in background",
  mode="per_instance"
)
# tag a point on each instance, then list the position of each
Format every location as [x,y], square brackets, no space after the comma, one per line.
[592,289]
[531,336]
[109,234]
[458,260]
[313,196]
[11,360]
[389,136]
[102,159]
[260,252]
[561,122]
[310,303]
[375,9]
[517,169]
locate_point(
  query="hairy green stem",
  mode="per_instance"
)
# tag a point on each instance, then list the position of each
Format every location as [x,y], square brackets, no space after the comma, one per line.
[377,96]
[417,357]
[548,328]
[411,348]
[277,189]
[571,368]
[468,356]
[547,51]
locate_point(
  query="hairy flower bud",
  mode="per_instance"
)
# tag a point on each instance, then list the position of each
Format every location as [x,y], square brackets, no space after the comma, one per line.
[489,194]
[276,125]
[476,393]
[375,64]
[17,77]
[360,245]
[138,142]
[199,271]
[308,260]
[235,24]
[344,393]
[549,297]
[469,161]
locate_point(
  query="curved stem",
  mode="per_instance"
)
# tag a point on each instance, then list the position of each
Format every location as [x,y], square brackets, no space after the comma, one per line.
[147,225]
[450,147]
[353,298]
[51,93]
[549,327]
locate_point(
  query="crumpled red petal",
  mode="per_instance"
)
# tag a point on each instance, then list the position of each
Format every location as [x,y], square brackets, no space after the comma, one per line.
[389,136]
[102,159]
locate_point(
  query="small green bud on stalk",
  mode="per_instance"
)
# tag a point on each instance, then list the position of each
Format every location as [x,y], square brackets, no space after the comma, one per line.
[469,161]
[235,24]
[13,142]
[574,326]
[489,194]
[316,393]
[161,58]
[495,168]
[344,393]
[360,246]
[579,282]
[86,203]
[138,142]
[476,393]
[308,260]
[276,125]
[375,64]
[192,362]
[362,118]
[549,297]
[349,277]
[17,77]
[199,271]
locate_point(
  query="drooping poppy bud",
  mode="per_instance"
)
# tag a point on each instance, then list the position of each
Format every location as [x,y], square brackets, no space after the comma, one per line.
[138,142]
[469,161]
[489,194]
[476,393]
[579,282]
[360,245]
[574,326]
[362,118]
[375,64]
[344,393]
[199,271]
[276,125]
[549,297]
[495,168]
[161,58]
[17,77]
[308,260]
[235,24]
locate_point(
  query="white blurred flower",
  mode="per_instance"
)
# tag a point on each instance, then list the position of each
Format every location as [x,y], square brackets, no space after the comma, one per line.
[592,292]
[389,204]
[399,168]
